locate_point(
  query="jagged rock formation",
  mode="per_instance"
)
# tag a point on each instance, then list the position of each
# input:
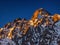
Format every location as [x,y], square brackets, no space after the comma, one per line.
[41,29]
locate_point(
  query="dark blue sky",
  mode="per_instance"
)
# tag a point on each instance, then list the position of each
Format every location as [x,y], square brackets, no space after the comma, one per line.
[12,9]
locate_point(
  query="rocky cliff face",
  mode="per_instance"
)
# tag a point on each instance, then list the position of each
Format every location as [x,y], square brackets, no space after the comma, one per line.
[41,29]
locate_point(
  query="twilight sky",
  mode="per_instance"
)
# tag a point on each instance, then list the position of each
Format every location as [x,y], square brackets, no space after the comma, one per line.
[12,9]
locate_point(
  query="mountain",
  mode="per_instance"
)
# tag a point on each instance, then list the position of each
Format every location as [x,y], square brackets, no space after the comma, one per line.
[41,29]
